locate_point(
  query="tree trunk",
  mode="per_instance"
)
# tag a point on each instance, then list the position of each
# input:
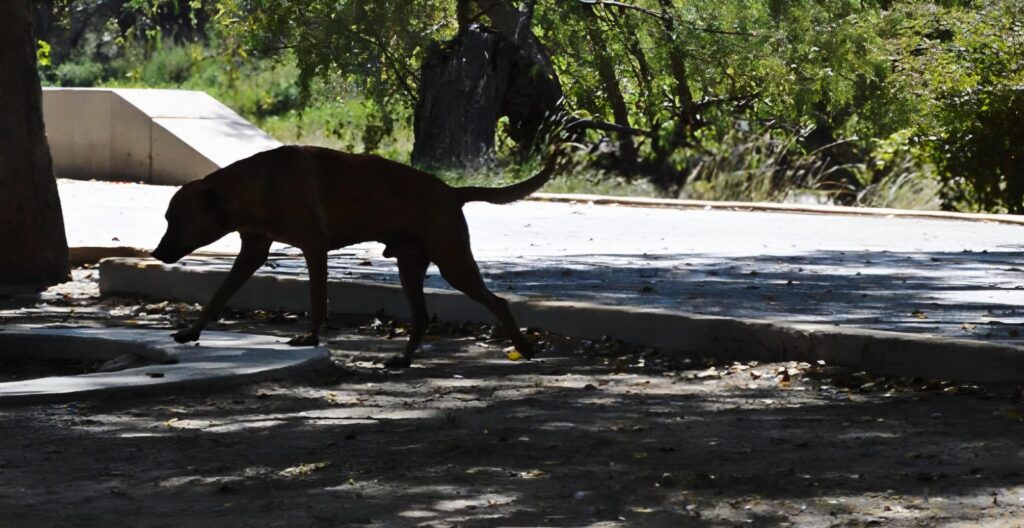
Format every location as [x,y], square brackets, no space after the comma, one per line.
[33,248]
[534,91]
[516,25]
[462,14]
[627,27]
[677,64]
[466,85]
[481,75]
[610,81]
[462,86]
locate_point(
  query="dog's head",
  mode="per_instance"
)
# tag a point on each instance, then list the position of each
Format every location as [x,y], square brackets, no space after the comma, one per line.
[196,216]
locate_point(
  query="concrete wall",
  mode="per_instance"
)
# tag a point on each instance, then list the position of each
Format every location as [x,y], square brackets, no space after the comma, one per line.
[164,137]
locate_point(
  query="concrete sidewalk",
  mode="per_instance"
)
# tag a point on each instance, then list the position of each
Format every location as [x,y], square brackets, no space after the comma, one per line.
[923,276]
[926,277]
[224,359]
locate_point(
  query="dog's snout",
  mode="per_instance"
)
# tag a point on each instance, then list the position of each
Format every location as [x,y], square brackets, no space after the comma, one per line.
[160,255]
[163,254]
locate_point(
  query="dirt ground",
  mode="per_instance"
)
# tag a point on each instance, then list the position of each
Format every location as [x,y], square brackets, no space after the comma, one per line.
[596,434]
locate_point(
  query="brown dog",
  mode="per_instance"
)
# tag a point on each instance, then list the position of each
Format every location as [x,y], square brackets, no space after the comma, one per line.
[318,199]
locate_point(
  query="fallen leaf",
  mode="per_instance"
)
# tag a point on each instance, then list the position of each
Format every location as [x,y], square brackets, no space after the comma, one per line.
[513,354]
[303,470]
[711,372]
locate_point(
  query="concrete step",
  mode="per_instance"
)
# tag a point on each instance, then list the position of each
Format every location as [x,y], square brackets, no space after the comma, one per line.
[164,137]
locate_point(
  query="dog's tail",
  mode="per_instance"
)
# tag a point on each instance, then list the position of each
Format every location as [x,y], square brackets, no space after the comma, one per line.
[511,193]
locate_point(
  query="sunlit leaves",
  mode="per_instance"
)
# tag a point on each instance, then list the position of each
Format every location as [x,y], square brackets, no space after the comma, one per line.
[43,53]
[375,45]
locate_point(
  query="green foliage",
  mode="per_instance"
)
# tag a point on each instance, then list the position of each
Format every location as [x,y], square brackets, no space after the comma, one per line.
[373,46]
[898,175]
[43,54]
[981,155]
[337,123]
[969,69]
[84,72]
[765,166]
[169,65]
[915,104]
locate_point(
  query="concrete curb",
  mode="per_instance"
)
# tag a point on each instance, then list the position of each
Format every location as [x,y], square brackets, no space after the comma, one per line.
[670,203]
[721,337]
[222,359]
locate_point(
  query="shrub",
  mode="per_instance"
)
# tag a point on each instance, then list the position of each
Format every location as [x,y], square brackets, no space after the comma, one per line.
[80,73]
[981,154]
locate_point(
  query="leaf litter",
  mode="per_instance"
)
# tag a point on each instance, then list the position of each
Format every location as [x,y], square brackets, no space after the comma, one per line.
[643,436]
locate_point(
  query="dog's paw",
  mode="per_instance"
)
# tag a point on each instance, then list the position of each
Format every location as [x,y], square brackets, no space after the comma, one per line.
[304,340]
[186,335]
[398,362]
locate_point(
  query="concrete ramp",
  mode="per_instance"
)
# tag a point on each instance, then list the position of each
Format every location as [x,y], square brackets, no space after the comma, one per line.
[166,137]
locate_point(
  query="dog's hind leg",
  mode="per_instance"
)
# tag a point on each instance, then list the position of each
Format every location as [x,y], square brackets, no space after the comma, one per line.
[253,254]
[316,263]
[411,269]
[457,266]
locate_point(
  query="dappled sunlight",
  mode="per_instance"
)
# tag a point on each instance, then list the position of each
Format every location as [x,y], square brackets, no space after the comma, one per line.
[931,291]
[368,414]
[417,514]
[335,416]
[613,435]
[481,501]
[867,435]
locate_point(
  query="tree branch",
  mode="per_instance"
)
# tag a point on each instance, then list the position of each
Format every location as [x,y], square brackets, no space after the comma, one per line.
[462,14]
[705,102]
[525,21]
[624,5]
[591,124]
[663,17]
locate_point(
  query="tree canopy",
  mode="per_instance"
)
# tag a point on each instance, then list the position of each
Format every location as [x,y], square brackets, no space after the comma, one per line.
[854,98]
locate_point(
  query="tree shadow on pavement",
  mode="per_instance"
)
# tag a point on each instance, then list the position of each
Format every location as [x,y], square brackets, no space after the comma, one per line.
[470,439]
[967,295]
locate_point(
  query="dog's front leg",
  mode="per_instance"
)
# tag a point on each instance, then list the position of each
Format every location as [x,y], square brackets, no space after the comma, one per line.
[253,254]
[316,263]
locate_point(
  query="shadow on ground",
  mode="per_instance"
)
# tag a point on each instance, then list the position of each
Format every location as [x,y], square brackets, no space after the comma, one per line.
[471,439]
[969,295]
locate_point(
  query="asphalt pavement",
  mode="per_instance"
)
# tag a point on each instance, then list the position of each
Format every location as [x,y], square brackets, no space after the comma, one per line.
[948,278]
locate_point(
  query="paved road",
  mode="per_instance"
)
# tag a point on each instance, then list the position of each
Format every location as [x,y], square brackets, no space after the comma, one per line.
[952,278]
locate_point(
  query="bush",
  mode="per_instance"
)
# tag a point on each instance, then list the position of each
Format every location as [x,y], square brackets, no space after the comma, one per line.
[81,73]
[981,155]
[759,166]
[169,66]
[897,174]
[257,89]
